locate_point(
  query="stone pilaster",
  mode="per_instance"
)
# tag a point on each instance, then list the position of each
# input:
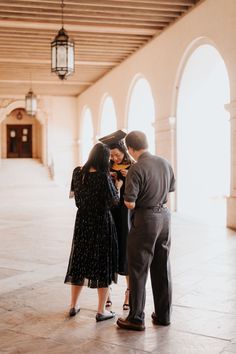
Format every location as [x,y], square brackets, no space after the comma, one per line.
[231,201]
[165,135]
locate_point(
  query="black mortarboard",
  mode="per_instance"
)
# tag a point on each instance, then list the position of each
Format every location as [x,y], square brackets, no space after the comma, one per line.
[113,138]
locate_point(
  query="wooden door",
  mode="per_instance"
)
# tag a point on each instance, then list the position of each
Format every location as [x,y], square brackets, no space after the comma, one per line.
[19,141]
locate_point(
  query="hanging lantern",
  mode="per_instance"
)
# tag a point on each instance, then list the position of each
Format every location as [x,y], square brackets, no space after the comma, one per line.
[31,103]
[62,53]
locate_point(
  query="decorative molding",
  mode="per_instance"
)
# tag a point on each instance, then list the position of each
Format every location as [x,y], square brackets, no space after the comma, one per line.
[42,117]
[161,125]
[172,122]
[231,212]
[231,108]
[4,102]
[11,104]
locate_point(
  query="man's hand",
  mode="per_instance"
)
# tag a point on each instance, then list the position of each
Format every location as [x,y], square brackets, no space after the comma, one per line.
[129,205]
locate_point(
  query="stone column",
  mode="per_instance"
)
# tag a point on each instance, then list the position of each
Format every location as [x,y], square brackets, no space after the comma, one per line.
[79,153]
[231,200]
[173,158]
[165,137]
[1,133]
[4,103]
[172,124]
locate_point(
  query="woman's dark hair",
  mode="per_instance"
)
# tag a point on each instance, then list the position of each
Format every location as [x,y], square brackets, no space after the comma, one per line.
[136,140]
[99,159]
[122,148]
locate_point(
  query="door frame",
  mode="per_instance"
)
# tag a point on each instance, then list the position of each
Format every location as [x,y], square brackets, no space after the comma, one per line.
[19,128]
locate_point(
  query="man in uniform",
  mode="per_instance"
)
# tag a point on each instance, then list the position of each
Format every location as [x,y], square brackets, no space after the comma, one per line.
[148,183]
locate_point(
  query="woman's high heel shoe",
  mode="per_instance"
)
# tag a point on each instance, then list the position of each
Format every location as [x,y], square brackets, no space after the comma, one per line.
[126,306]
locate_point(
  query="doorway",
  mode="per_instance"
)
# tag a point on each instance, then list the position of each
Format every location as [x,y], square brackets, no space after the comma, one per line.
[19,141]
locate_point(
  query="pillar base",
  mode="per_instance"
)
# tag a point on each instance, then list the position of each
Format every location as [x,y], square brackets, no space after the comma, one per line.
[231,212]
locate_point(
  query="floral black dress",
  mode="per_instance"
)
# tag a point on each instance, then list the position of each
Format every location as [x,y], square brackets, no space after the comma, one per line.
[94,252]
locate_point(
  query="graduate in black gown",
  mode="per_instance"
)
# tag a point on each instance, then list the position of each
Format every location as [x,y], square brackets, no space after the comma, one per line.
[120,161]
[94,252]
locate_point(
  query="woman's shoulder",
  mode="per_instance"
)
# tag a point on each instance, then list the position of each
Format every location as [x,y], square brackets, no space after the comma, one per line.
[77,170]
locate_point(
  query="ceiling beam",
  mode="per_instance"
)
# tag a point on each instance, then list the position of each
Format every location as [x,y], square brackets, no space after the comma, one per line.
[80,28]
[44,82]
[45,61]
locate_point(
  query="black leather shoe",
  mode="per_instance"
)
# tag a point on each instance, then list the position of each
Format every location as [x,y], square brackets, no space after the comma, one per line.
[103,317]
[155,321]
[125,324]
[73,311]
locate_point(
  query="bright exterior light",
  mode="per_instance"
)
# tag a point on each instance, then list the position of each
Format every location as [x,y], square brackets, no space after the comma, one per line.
[31,103]
[62,53]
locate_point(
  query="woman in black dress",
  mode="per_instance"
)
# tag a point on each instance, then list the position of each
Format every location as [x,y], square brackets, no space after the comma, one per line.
[119,165]
[93,259]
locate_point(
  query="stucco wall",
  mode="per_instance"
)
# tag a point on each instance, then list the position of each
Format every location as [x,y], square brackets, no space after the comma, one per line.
[62,137]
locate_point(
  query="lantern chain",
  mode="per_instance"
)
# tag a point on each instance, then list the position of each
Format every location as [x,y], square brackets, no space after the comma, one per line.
[62,13]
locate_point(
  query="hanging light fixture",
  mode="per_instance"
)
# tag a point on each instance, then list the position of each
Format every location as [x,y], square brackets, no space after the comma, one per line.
[31,101]
[62,52]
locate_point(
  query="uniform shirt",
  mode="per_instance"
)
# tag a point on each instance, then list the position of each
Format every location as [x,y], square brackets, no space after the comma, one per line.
[149,181]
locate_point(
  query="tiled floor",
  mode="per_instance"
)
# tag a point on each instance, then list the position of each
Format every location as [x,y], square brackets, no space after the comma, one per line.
[36,226]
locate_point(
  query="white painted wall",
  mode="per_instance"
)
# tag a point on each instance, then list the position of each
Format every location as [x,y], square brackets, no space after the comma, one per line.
[62,137]
[86,135]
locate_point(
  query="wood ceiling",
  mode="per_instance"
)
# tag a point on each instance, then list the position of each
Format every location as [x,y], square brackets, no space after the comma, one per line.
[105,33]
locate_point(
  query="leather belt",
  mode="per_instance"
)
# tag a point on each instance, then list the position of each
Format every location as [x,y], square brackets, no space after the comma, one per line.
[156,208]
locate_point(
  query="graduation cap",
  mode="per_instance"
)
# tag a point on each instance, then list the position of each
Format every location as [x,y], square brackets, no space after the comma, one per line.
[113,138]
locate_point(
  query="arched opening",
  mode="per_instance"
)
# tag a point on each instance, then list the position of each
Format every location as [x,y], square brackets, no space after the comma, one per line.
[141,112]
[108,117]
[21,135]
[203,137]
[86,135]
